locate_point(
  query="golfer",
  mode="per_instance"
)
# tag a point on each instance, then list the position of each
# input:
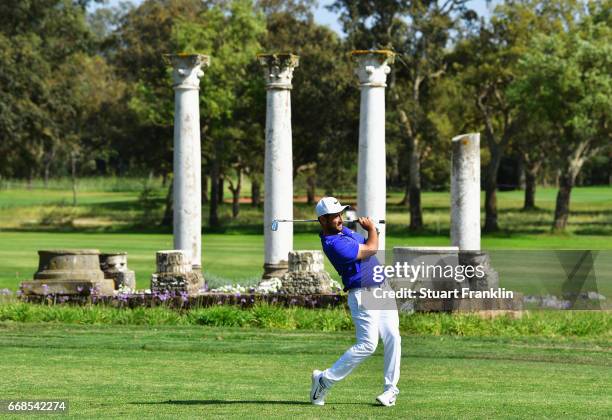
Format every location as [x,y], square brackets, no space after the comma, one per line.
[353,257]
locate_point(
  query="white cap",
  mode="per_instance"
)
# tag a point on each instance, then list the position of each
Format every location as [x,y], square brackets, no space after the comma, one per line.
[329,205]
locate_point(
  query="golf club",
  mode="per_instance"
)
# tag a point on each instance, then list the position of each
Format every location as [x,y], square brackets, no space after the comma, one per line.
[275,222]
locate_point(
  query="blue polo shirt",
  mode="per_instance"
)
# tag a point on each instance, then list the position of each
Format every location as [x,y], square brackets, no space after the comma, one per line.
[342,249]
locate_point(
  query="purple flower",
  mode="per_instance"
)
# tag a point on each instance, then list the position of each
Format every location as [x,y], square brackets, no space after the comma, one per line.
[237,294]
[79,289]
[18,293]
[252,300]
[293,301]
[184,296]
[274,300]
[219,303]
[243,300]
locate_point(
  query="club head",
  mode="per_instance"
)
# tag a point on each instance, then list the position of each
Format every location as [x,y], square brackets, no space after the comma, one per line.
[274,226]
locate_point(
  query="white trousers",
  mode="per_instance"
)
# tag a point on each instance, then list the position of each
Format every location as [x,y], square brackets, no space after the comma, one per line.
[369,326]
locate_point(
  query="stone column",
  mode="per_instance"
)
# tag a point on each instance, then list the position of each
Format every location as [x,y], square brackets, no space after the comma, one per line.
[372,69]
[465,192]
[187,188]
[278,168]
[306,275]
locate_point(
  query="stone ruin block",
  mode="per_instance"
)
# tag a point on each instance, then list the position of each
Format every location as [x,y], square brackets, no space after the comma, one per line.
[175,274]
[474,258]
[449,256]
[71,271]
[306,274]
[114,266]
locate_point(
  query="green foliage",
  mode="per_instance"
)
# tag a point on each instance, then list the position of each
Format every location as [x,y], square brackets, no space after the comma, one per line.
[566,80]
[591,324]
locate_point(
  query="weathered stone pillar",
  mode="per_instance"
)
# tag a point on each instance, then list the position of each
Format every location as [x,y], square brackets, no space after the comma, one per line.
[278,168]
[187,188]
[306,274]
[175,274]
[114,265]
[372,69]
[465,192]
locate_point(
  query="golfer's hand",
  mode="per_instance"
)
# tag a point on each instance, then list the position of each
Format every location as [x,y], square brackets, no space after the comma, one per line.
[367,223]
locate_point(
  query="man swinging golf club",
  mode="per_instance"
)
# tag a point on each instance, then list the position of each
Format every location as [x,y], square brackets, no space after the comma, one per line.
[353,257]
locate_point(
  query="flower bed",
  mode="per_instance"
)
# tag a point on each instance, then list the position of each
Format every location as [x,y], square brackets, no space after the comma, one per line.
[183,301]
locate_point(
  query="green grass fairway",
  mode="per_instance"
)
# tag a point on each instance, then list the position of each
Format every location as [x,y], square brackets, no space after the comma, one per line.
[196,372]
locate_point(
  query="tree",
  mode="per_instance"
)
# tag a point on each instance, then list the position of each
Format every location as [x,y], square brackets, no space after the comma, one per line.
[487,64]
[566,81]
[86,84]
[36,38]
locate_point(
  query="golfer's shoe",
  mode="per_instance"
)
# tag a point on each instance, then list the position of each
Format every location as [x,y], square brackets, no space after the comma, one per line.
[318,391]
[387,398]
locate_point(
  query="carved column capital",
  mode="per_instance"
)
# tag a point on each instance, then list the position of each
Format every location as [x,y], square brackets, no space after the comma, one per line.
[373,66]
[278,69]
[187,69]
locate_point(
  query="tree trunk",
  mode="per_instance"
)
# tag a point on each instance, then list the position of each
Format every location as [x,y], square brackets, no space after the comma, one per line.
[74,178]
[168,218]
[221,190]
[531,175]
[563,202]
[213,216]
[491,224]
[236,193]
[164,179]
[412,196]
[47,168]
[406,200]
[205,189]
[416,213]
[255,192]
[311,187]
[530,187]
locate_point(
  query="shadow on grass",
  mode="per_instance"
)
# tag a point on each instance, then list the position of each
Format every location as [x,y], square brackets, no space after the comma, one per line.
[230,402]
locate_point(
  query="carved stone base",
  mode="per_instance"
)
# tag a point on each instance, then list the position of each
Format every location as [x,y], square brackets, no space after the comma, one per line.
[175,274]
[68,271]
[103,287]
[274,270]
[306,283]
[124,279]
[173,282]
[306,274]
[114,266]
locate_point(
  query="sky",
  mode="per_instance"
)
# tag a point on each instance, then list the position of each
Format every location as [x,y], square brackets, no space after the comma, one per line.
[325,17]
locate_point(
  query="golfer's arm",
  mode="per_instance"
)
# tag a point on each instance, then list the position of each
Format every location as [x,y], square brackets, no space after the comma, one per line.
[370,247]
